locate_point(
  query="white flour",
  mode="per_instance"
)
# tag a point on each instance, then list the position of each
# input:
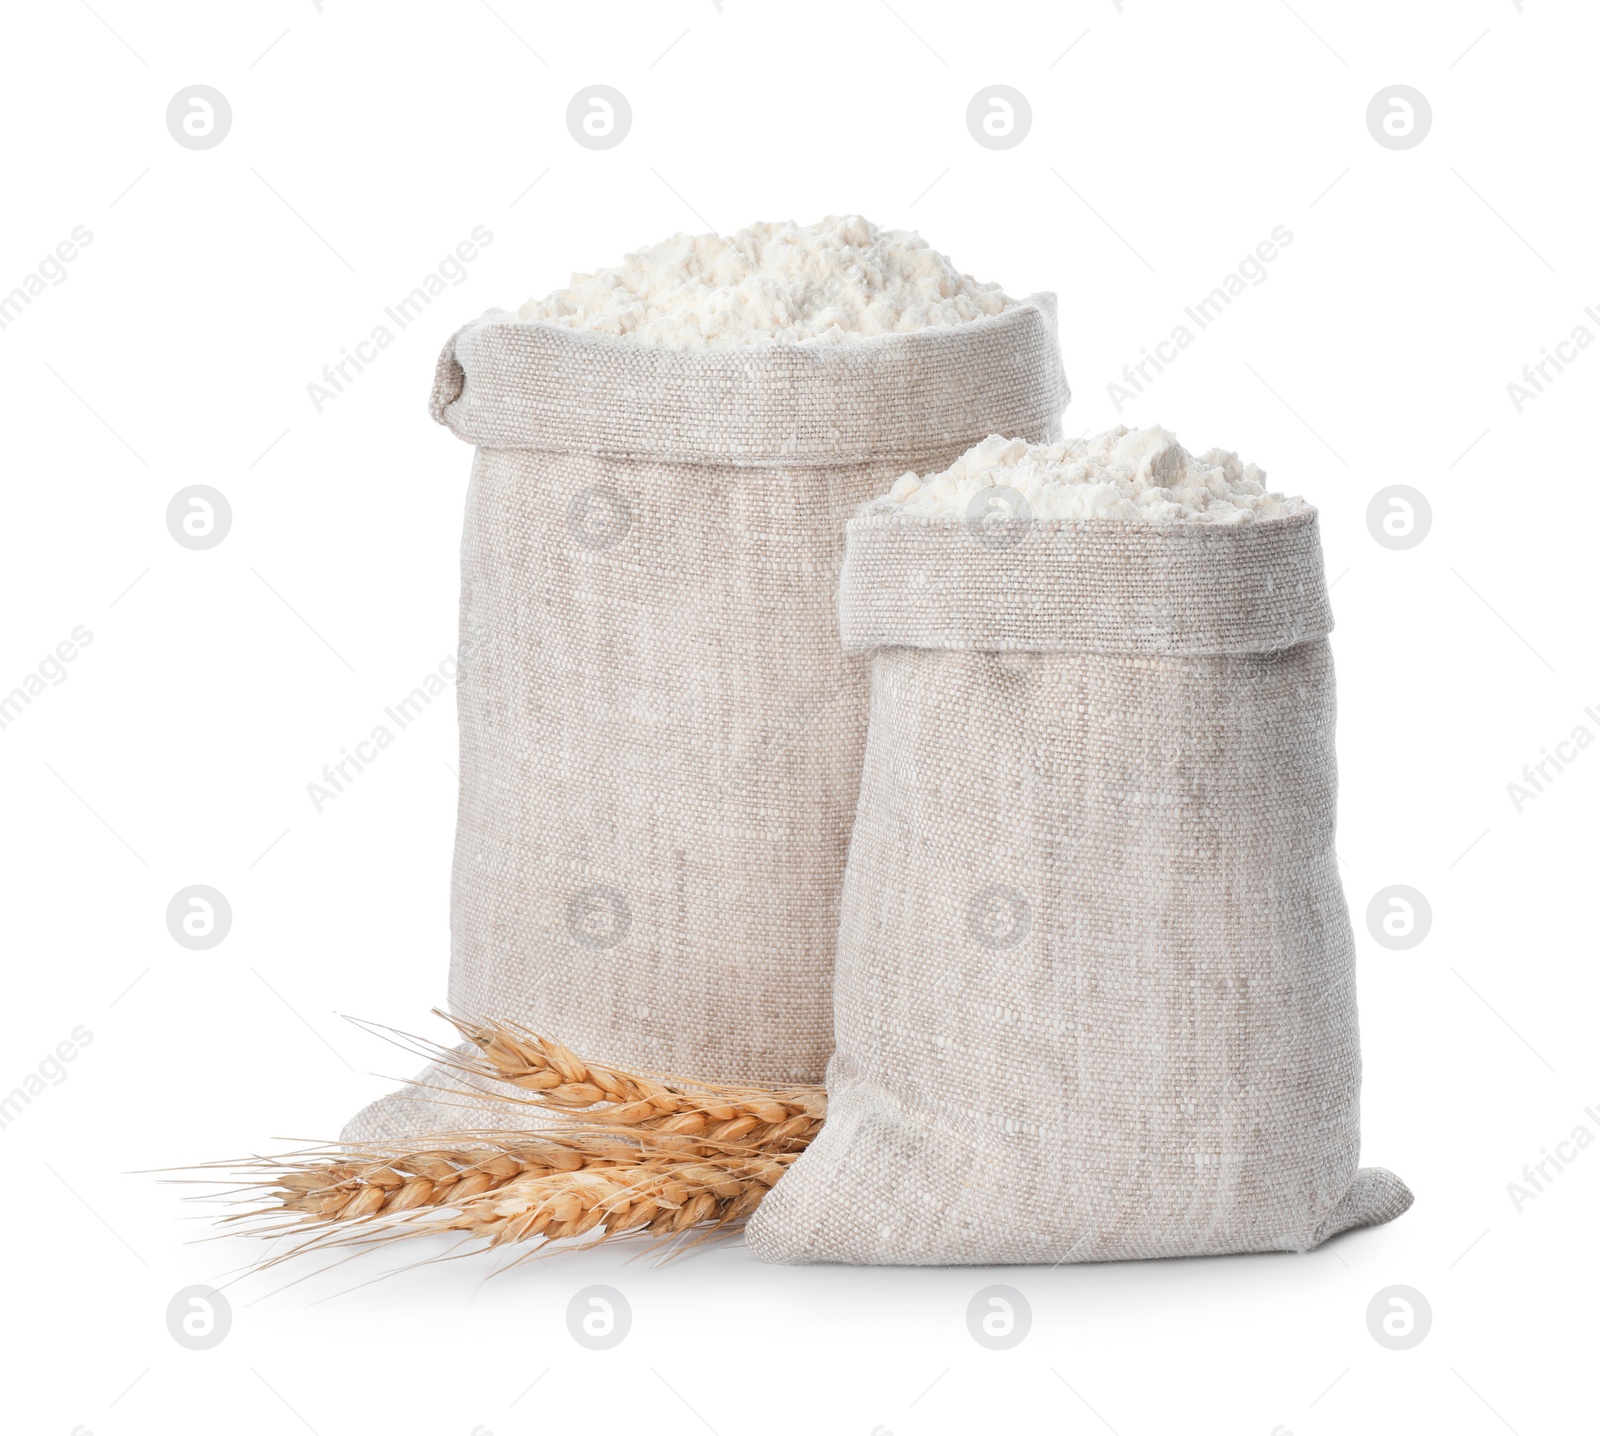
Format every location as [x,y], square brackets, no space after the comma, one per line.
[1137,475]
[773,284]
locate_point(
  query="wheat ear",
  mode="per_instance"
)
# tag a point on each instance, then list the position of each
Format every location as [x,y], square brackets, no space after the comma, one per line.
[660,1197]
[557,1080]
[527,1189]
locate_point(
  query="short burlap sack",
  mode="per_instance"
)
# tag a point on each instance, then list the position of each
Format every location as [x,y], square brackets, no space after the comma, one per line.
[1095,987]
[660,735]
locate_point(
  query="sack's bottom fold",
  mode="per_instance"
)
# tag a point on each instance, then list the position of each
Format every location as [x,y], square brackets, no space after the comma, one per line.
[883,1189]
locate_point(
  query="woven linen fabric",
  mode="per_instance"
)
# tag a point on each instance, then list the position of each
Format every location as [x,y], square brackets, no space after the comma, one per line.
[1094,995]
[660,733]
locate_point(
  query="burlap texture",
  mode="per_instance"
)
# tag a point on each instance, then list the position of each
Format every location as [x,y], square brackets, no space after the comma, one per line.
[1094,995]
[660,734]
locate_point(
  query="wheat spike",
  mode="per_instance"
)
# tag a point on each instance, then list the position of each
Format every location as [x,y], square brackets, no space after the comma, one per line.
[775,1119]
[662,1198]
[376,1183]
[525,1190]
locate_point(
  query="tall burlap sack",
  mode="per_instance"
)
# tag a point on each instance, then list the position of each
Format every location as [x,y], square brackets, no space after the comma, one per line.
[1095,986]
[660,735]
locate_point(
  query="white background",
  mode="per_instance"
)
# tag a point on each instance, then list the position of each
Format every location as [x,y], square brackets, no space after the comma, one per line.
[366,142]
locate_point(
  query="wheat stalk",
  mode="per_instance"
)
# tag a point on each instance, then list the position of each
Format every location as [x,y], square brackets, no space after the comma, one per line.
[776,1119]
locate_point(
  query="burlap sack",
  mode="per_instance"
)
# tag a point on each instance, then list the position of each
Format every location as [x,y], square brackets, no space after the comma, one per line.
[1095,985]
[660,735]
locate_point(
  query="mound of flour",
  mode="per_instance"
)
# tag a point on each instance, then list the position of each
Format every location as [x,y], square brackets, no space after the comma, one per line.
[1136,475]
[782,283]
